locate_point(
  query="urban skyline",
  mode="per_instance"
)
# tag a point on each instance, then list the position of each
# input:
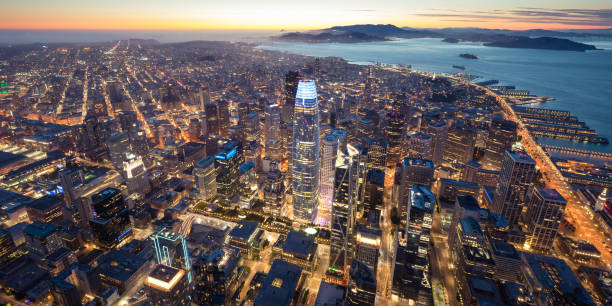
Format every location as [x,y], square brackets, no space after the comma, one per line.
[217,172]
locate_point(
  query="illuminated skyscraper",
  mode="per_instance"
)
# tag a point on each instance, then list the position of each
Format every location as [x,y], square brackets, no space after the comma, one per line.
[171,250]
[224,116]
[111,225]
[543,218]
[205,175]
[305,151]
[329,152]
[515,178]
[227,163]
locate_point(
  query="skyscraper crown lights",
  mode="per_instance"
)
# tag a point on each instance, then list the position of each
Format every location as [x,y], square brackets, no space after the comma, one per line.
[306,95]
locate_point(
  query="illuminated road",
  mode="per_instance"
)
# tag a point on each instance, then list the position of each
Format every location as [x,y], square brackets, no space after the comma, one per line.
[575,211]
[384,277]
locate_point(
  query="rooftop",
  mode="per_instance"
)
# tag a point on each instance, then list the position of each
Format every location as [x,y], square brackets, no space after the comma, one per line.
[119,265]
[299,243]
[39,229]
[421,197]
[470,226]
[417,162]
[164,277]
[280,284]
[550,194]
[468,202]
[244,229]
[503,249]
[521,156]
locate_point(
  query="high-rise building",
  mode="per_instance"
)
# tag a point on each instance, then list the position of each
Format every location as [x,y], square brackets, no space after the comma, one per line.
[227,163]
[110,225]
[205,175]
[343,211]
[394,134]
[42,239]
[362,284]
[543,217]
[438,130]
[374,191]
[167,286]
[515,179]
[305,170]
[365,129]
[7,246]
[216,273]
[118,145]
[367,246]
[135,175]
[243,111]
[274,193]
[502,134]
[329,152]
[251,127]
[248,185]
[292,79]
[212,119]
[460,143]
[194,130]
[171,250]
[272,120]
[408,173]
[224,116]
[418,145]
[377,153]
[412,273]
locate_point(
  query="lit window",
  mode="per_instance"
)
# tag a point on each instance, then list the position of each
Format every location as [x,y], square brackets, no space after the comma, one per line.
[277,282]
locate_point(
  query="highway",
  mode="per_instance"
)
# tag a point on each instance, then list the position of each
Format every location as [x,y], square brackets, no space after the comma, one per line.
[575,211]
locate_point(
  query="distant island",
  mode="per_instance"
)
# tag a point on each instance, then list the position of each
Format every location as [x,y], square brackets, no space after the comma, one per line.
[451,40]
[548,43]
[468,56]
[492,38]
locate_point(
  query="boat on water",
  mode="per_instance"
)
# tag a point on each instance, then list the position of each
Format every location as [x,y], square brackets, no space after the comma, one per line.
[459,67]
[468,56]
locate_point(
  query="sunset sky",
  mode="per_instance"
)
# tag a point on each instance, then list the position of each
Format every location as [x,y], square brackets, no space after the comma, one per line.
[296,15]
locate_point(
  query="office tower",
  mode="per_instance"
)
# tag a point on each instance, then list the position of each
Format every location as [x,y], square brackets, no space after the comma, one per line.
[281,284]
[465,206]
[42,239]
[460,143]
[361,285]
[212,119]
[135,175]
[224,116]
[92,135]
[515,178]
[110,225]
[48,209]
[329,151]
[243,111]
[236,132]
[194,130]
[127,120]
[305,170]
[394,134]
[204,98]
[408,173]
[272,120]
[216,272]
[205,175]
[118,144]
[470,256]
[251,127]
[438,130]
[418,145]
[139,144]
[377,153]
[474,172]
[252,154]
[171,250]
[412,272]
[502,134]
[343,211]
[64,293]
[7,246]
[365,129]
[247,185]
[167,286]
[374,191]
[292,79]
[449,190]
[274,149]
[543,216]
[367,246]
[227,163]
[274,193]
[71,179]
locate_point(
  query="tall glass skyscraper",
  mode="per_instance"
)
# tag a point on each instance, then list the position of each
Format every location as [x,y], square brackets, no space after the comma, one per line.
[305,151]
